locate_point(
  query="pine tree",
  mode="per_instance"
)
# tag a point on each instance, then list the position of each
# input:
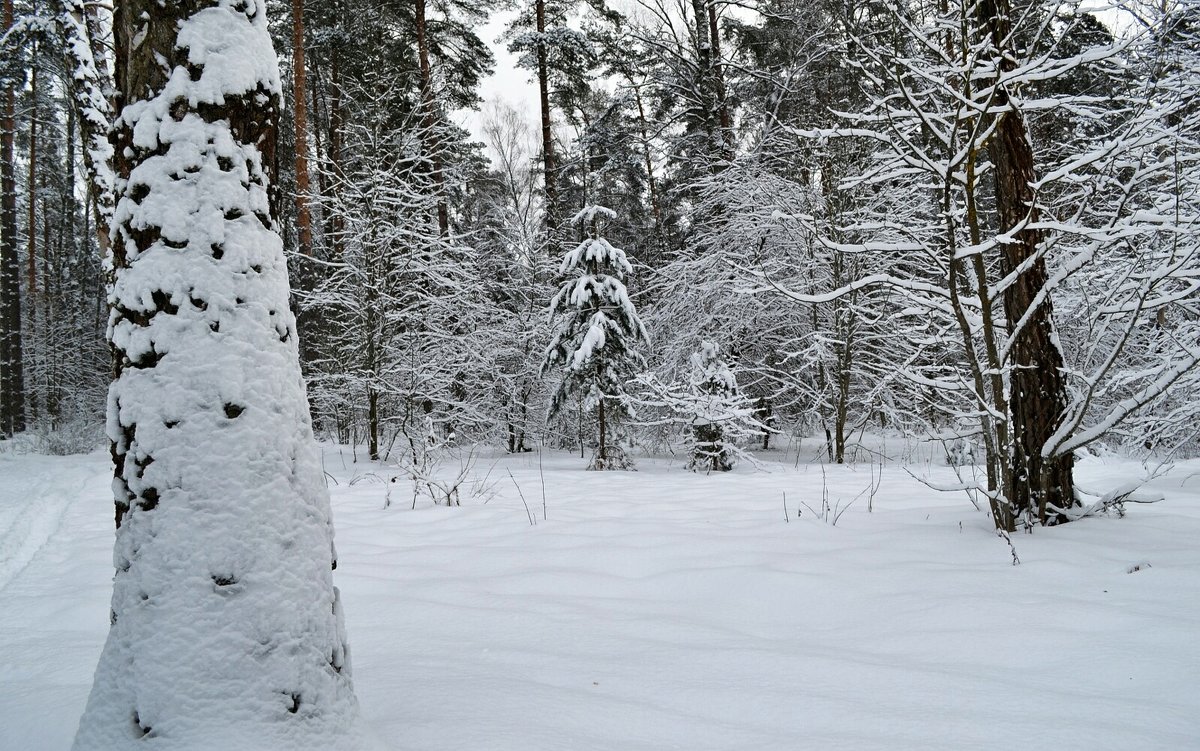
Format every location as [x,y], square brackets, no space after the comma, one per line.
[564,63]
[596,345]
[12,383]
[226,627]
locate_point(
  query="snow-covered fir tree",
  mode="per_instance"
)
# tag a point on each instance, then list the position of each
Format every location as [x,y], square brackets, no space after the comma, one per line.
[597,340]
[716,388]
[226,627]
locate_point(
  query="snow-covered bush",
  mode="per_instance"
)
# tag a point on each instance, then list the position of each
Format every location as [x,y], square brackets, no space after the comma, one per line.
[718,419]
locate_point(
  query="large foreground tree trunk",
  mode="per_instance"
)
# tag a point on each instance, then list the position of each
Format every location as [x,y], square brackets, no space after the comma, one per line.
[300,108]
[226,627]
[1037,398]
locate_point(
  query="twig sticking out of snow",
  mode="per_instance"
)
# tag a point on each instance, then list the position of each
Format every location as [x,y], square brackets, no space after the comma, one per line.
[1016,561]
[528,513]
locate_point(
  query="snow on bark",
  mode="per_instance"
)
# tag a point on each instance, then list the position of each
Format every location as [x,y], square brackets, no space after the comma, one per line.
[226,627]
[90,88]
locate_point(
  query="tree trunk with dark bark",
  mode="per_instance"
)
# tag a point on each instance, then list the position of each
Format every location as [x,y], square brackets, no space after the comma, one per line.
[91,90]
[429,121]
[706,107]
[31,186]
[300,110]
[1037,401]
[602,450]
[724,115]
[337,226]
[549,162]
[12,363]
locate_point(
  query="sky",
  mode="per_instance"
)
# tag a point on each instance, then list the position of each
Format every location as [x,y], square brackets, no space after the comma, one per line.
[508,84]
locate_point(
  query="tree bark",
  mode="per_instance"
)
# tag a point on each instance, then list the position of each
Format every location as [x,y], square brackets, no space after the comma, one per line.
[226,629]
[31,183]
[1038,395]
[12,363]
[706,107]
[91,91]
[660,234]
[372,423]
[336,126]
[549,162]
[602,452]
[300,110]
[429,121]
[724,116]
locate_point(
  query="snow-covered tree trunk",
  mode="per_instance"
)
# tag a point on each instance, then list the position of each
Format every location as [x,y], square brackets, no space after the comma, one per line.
[226,627]
[90,88]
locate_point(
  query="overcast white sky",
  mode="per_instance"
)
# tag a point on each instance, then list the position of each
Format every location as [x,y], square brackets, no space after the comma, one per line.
[507,84]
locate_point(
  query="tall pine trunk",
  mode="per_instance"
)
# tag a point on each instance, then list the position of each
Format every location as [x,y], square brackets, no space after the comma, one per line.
[1037,398]
[12,363]
[90,89]
[31,187]
[429,121]
[549,162]
[706,106]
[724,116]
[300,111]
[226,627]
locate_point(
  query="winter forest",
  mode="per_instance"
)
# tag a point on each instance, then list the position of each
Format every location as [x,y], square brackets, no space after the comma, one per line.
[703,374]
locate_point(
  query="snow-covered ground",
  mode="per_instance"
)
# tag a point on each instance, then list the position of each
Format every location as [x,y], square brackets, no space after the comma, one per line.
[667,610]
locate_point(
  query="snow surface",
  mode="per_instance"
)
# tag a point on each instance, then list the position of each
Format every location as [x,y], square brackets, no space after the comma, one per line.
[663,609]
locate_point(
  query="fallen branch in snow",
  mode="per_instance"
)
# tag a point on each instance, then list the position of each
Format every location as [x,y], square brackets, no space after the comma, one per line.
[1113,500]
[970,488]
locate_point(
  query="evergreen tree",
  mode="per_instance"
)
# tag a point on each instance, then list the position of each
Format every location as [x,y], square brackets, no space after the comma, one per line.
[596,344]
[715,385]
[12,362]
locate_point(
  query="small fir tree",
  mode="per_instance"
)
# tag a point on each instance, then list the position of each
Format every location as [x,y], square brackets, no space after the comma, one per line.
[707,407]
[596,344]
[716,391]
